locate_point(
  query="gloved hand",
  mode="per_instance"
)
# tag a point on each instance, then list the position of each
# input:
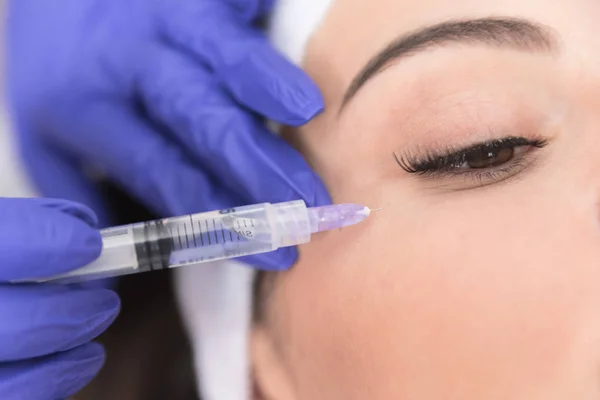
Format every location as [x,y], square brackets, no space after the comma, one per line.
[164,97]
[45,329]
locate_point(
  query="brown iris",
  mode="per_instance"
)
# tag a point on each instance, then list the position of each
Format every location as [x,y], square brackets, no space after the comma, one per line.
[488,158]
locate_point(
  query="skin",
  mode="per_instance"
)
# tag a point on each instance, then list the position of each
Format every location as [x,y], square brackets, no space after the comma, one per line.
[453,291]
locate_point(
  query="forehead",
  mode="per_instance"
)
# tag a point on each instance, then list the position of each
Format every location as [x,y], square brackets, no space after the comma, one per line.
[354,30]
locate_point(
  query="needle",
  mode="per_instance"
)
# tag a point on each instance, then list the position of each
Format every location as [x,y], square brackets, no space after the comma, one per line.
[369,210]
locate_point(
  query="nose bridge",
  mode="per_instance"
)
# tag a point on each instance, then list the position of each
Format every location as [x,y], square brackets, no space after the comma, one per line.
[582,160]
[575,165]
[585,162]
[571,238]
[581,130]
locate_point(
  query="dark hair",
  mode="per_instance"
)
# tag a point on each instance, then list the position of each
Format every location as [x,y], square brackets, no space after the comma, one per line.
[148,354]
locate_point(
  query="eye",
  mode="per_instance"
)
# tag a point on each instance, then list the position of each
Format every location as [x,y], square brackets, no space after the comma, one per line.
[484,158]
[488,157]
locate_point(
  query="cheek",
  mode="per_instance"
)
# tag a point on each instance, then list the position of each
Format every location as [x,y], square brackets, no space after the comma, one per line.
[467,307]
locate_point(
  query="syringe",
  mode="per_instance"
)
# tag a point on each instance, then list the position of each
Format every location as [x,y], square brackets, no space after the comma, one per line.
[210,236]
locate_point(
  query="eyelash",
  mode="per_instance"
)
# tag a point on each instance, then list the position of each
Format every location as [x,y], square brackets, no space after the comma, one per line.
[452,162]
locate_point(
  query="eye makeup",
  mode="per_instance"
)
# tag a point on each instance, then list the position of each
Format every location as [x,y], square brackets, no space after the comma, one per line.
[485,162]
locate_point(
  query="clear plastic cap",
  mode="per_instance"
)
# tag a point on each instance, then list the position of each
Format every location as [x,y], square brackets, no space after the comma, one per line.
[293,223]
[290,223]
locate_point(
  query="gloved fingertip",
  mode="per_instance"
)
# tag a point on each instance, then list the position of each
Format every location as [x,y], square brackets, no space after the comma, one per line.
[41,238]
[101,312]
[271,85]
[56,376]
[310,188]
[105,301]
[72,208]
[54,319]
[100,322]
[278,260]
[91,352]
[83,249]
[297,93]
[299,100]
[107,283]
[285,257]
[321,196]
[85,363]
[104,307]
[302,115]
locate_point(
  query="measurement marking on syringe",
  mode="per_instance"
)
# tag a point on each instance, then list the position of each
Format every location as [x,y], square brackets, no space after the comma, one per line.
[172,236]
[208,232]
[193,231]
[179,237]
[201,238]
[187,242]
[223,232]
[238,229]
[215,231]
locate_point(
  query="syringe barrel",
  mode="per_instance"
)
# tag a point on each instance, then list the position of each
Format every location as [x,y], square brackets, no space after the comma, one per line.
[197,238]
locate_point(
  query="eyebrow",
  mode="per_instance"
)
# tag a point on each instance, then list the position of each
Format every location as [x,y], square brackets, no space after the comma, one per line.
[512,33]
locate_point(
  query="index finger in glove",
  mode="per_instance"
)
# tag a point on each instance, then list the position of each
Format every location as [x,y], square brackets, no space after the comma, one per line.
[57,376]
[58,175]
[238,150]
[134,154]
[256,74]
[41,319]
[44,237]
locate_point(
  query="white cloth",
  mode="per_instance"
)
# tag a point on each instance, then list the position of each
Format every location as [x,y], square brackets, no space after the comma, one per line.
[215,298]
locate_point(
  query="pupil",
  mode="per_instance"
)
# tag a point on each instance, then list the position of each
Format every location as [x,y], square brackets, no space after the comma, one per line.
[487,158]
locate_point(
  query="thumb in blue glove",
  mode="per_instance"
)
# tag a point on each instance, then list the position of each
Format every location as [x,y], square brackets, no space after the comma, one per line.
[46,330]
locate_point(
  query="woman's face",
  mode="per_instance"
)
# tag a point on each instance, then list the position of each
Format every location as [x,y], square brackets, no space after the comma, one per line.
[480,139]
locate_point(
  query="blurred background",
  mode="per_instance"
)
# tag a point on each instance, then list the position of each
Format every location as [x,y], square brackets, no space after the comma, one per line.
[13,182]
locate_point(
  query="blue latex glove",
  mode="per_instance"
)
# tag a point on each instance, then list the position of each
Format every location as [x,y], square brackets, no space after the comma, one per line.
[45,330]
[164,97]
